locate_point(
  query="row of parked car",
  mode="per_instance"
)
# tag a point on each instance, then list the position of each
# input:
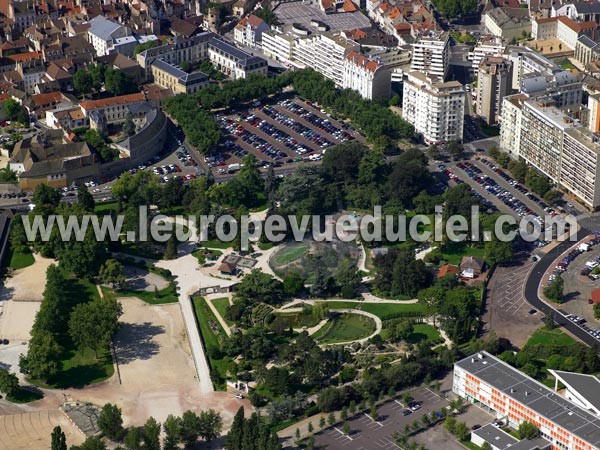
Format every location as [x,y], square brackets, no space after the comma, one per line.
[564,263]
[232,127]
[489,206]
[275,133]
[318,121]
[519,187]
[184,156]
[299,128]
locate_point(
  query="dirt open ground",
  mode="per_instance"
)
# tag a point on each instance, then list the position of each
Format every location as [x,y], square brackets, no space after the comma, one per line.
[32,430]
[27,284]
[17,319]
[157,372]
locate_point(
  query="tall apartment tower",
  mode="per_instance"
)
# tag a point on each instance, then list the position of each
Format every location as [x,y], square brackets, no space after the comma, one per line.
[435,108]
[493,84]
[431,54]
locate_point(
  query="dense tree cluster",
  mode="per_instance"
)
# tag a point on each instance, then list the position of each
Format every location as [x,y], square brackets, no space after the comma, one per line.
[14,111]
[457,307]
[399,273]
[98,143]
[251,434]
[97,76]
[456,8]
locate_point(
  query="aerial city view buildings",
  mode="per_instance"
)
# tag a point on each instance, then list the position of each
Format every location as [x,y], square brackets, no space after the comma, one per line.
[192,199]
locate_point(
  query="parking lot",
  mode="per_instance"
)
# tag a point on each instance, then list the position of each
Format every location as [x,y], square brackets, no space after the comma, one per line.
[287,132]
[369,434]
[507,312]
[577,271]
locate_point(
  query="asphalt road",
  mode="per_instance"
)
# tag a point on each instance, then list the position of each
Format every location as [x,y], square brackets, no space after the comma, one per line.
[587,226]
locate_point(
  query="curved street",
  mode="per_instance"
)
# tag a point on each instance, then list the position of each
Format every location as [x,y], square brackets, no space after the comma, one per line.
[588,224]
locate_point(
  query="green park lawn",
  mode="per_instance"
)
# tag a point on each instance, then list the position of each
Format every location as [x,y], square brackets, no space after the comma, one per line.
[80,368]
[424,332]
[294,320]
[345,327]
[384,311]
[104,208]
[546,337]
[289,253]
[211,337]
[221,304]
[166,295]
[454,252]
[18,260]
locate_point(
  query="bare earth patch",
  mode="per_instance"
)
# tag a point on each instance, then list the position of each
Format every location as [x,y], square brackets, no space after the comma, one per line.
[17,319]
[157,371]
[143,280]
[27,285]
[32,430]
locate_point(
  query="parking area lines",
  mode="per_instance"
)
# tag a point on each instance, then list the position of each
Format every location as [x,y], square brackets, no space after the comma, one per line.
[507,312]
[393,417]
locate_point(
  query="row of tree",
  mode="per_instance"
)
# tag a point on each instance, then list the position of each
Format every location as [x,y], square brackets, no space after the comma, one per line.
[187,430]
[63,323]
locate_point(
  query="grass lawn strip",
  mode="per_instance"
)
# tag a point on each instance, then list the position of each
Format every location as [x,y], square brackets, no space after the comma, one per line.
[384,311]
[550,337]
[424,332]
[211,333]
[221,304]
[18,260]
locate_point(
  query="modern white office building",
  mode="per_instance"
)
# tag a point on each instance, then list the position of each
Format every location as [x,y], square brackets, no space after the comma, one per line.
[435,108]
[103,33]
[514,397]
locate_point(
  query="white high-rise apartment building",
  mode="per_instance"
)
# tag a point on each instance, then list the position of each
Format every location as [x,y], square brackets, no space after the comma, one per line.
[431,54]
[487,45]
[436,109]
[555,143]
[325,53]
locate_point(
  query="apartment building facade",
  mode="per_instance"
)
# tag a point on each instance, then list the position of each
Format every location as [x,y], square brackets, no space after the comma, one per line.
[431,54]
[493,84]
[180,49]
[555,142]
[486,46]
[278,46]
[114,109]
[514,397]
[233,62]
[435,108]
[325,53]
[369,77]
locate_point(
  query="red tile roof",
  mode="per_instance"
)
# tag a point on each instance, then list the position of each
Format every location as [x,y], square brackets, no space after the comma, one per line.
[46,99]
[103,103]
[363,61]
[349,6]
[447,269]
[25,56]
